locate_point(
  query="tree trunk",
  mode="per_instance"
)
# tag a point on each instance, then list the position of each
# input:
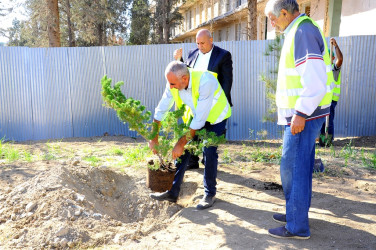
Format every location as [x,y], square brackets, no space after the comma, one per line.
[166,28]
[252,20]
[71,39]
[53,27]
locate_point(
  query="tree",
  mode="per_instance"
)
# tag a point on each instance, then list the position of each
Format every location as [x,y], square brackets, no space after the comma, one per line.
[66,15]
[166,16]
[131,111]
[3,12]
[140,26]
[274,49]
[252,20]
[81,22]
[53,24]
[16,37]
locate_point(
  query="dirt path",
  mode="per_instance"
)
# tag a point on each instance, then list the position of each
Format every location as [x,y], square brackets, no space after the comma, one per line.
[65,202]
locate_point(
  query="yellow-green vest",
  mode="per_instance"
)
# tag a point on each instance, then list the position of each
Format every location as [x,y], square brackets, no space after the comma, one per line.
[289,84]
[220,110]
[337,88]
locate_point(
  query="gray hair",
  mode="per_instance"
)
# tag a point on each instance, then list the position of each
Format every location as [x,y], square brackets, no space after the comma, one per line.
[275,7]
[179,69]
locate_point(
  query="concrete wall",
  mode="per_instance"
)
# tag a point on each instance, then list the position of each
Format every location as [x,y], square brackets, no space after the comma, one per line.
[358,18]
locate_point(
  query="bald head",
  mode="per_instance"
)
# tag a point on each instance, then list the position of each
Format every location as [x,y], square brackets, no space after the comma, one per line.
[204,40]
[203,33]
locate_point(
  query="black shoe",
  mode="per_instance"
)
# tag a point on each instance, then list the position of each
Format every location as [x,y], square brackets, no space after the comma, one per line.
[165,196]
[281,218]
[282,233]
[206,202]
[193,162]
[193,165]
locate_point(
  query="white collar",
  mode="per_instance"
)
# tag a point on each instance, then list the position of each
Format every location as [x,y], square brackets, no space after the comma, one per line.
[208,53]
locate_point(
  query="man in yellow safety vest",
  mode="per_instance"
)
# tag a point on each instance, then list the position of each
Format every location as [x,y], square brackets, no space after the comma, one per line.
[327,139]
[303,97]
[202,93]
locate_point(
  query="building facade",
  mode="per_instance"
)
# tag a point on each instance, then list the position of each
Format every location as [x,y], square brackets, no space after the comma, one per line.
[227,19]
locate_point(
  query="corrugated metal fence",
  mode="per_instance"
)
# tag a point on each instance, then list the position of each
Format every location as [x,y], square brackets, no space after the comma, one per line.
[54,93]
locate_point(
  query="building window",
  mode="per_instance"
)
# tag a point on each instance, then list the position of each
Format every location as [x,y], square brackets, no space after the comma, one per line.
[216,8]
[198,21]
[202,11]
[238,28]
[210,7]
[190,20]
[306,8]
[193,12]
[219,35]
[228,5]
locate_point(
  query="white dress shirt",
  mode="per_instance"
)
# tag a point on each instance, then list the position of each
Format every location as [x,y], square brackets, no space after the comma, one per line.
[202,61]
[208,85]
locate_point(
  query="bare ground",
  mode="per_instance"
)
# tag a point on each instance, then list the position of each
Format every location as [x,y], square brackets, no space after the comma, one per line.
[65,202]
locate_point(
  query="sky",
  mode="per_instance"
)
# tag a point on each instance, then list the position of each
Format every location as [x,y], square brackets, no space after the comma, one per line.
[6,21]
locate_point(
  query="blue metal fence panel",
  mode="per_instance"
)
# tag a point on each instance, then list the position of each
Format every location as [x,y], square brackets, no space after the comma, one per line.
[55,93]
[89,117]
[16,110]
[51,98]
[356,108]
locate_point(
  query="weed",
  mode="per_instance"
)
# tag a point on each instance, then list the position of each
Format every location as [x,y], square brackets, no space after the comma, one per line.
[48,156]
[263,134]
[347,152]
[134,155]
[369,161]
[8,152]
[27,156]
[373,160]
[116,151]
[332,151]
[226,157]
[251,134]
[93,160]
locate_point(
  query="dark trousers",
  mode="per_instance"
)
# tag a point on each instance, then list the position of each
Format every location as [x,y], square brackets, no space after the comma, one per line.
[331,119]
[211,164]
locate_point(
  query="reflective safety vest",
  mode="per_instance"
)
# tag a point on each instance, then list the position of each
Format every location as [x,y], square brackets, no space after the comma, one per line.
[337,88]
[220,108]
[289,85]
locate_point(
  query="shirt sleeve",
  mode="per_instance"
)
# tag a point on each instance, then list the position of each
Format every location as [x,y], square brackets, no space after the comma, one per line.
[207,88]
[164,105]
[308,52]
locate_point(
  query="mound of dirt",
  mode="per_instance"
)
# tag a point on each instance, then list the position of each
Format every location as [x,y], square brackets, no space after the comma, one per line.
[80,206]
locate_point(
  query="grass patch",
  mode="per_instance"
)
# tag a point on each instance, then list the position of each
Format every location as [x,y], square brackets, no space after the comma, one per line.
[116,151]
[134,156]
[8,152]
[93,160]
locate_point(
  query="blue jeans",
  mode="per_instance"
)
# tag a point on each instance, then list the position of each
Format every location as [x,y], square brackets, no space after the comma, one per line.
[298,158]
[210,160]
[331,119]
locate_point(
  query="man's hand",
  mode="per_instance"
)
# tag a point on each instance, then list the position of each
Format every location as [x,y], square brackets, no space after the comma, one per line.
[334,42]
[178,54]
[297,124]
[179,147]
[177,151]
[152,144]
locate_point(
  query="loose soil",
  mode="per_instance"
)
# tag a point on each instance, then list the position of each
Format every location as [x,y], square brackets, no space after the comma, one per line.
[66,202]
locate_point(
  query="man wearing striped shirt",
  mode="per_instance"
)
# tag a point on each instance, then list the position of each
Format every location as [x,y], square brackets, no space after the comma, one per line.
[303,97]
[202,93]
